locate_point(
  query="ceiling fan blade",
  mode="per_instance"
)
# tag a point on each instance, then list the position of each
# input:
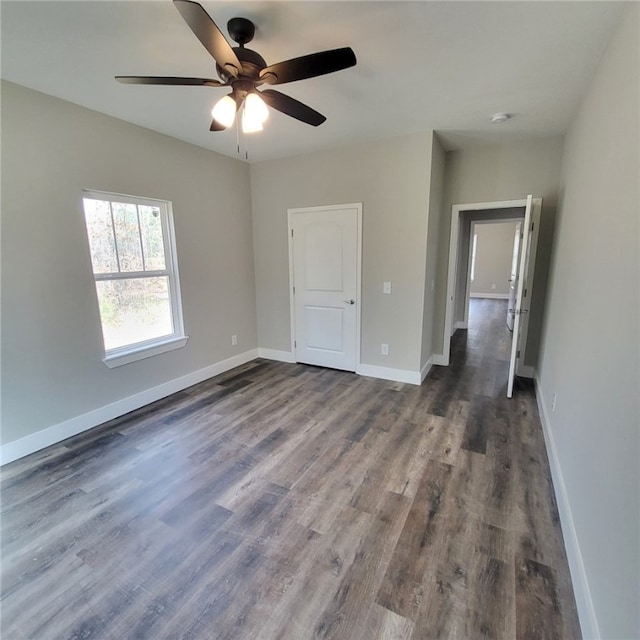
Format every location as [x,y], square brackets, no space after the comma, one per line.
[216,126]
[207,31]
[292,107]
[170,80]
[315,64]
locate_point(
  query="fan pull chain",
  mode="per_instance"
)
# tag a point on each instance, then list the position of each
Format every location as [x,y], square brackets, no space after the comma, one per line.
[244,135]
[237,137]
[244,138]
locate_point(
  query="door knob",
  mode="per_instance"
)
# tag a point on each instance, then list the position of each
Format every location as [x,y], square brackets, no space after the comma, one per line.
[352,301]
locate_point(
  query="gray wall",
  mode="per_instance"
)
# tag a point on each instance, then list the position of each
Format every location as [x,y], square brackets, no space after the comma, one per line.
[391,179]
[52,351]
[494,254]
[590,354]
[433,234]
[495,173]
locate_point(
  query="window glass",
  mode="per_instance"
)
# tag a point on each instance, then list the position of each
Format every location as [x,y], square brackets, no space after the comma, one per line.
[152,244]
[100,233]
[134,310]
[125,222]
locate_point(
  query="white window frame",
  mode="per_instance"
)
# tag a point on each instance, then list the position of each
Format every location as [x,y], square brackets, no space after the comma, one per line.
[155,346]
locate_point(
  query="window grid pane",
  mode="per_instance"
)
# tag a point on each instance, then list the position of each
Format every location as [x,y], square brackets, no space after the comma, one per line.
[113,227]
[153,249]
[104,257]
[134,310]
[125,218]
[144,268]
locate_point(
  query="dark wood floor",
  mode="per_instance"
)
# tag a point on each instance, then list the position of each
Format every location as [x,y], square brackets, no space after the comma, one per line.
[288,501]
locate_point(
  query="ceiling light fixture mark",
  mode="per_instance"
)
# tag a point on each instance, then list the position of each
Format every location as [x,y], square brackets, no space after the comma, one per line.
[499,118]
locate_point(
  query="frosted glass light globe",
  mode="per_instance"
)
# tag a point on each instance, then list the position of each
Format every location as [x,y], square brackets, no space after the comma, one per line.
[250,124]
[256,108]
[224,111]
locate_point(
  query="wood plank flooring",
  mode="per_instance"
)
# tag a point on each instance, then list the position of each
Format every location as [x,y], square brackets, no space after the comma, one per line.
[294,502]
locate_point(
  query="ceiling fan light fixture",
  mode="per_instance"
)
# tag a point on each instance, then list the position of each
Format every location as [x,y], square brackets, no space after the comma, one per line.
[250,124]
[256,108]
[224,111]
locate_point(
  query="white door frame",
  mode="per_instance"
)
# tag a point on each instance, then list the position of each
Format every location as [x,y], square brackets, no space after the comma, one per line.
[292,309]
[456,211]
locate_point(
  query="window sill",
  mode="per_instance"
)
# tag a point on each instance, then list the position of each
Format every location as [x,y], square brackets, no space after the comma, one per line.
[147,351]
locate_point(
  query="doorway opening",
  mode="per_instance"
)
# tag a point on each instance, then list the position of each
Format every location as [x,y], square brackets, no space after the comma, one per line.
[459,285]
[493,261]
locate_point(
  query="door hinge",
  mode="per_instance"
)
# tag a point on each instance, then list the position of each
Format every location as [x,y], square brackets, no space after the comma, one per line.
[518,353]
[294,291]
[532,225]
[292,233]
[524,295]
[295,343]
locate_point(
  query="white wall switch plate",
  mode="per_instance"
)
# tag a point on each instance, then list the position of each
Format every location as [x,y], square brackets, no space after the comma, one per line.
[386,287]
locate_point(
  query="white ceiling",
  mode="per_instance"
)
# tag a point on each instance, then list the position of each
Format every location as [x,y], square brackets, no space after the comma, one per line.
[421,65]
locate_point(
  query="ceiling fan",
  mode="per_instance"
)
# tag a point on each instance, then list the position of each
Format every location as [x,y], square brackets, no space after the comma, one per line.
[245,70]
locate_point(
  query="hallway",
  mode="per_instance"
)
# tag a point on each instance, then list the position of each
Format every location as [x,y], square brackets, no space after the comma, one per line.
[288,501]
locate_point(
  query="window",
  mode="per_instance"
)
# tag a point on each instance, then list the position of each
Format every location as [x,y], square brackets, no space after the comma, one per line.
[473,256]
[134,263]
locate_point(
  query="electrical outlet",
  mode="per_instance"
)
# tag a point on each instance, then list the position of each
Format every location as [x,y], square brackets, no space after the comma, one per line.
[234,340]
[384,349]
[553,402]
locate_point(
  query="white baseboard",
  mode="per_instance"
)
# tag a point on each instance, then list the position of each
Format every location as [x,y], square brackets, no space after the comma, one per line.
[275,354]
[388,373]
[63,430]
[373,371]
[491,296]
[425,369]
[439,360]
[582,593]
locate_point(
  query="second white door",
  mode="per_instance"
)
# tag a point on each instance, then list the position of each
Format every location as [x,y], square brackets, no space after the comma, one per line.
[325,271]
[517,338]
[513,278]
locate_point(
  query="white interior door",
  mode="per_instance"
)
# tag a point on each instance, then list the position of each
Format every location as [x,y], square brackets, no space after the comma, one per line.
[522,271]
[325,271]
[513,278]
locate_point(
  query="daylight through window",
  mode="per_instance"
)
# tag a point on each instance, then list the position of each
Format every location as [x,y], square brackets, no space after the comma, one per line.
[133,256]
[473,256]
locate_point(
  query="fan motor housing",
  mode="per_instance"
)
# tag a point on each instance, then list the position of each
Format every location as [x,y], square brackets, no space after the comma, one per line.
[241,30]
[251,61]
